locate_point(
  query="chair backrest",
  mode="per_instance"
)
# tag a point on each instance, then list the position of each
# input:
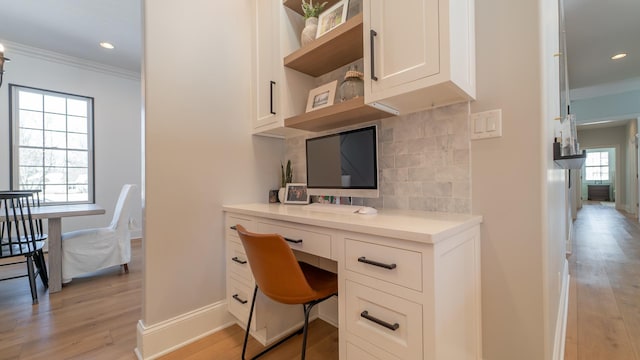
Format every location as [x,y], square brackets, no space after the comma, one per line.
[18,230]
[122,211]
[274,267]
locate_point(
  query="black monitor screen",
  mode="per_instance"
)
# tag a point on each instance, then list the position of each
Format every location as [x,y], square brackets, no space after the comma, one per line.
[346,160]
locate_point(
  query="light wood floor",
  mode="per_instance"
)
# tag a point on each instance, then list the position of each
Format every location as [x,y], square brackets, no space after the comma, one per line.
[91,318]
[604,294]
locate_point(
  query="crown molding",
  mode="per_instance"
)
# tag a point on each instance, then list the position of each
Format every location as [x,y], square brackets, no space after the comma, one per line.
[613,88]
[84,64]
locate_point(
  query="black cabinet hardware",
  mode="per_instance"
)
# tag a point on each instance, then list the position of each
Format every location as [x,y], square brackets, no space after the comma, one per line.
[363,259]
[392,327]
[235,258]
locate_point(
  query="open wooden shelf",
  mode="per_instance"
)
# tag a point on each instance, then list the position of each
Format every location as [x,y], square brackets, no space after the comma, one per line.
[336,48]
[296,5]
[570,161]
[350,112]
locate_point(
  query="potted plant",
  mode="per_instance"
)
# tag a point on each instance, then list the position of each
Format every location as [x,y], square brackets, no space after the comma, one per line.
[286,177]
[311,13]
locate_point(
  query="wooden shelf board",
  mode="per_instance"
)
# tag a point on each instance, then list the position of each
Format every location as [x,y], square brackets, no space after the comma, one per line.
[296,5]
[336,48]
[350,112]
[570,161]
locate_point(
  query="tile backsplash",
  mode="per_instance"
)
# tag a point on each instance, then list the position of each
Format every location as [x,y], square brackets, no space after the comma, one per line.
[423,161]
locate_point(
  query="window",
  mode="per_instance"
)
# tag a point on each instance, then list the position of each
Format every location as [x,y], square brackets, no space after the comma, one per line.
[597,166]
[52,144]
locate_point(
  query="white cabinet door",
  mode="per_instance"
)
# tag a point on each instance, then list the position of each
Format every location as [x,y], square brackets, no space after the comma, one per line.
[267,60]
[402,43]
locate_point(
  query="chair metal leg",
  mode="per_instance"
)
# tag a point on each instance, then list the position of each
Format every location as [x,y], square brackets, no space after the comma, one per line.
[126,268]
[41,265]
[32,279]
[246,334]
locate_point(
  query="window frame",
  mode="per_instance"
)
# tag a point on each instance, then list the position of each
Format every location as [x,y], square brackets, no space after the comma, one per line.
[608,166]
[14,143]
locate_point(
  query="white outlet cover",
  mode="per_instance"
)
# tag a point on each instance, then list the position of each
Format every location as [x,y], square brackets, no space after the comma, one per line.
[486,124]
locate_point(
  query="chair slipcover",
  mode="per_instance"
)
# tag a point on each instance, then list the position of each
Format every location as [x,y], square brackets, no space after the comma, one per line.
[89,250]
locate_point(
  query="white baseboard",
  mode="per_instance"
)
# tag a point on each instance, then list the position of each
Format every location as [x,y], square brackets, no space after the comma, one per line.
[164,337]
[563,311]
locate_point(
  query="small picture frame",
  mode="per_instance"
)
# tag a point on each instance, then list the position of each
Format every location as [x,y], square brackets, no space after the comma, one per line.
[296,194]
[332,17]
[322,96]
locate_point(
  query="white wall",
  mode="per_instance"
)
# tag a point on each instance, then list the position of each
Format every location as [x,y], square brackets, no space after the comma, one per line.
[117,103]
[199,154]
[515,185]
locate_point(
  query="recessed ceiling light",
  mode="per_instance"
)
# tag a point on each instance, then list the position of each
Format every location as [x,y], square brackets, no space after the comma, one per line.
[107,45]
[618,56]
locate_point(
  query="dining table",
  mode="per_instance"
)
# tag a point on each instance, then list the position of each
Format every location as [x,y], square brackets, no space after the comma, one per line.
[54,214]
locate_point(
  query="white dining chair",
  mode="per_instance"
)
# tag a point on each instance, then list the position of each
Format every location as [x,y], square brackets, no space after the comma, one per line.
[88,250]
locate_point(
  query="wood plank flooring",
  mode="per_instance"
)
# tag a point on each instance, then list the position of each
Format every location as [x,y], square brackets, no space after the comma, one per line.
[604,294]
[91,318]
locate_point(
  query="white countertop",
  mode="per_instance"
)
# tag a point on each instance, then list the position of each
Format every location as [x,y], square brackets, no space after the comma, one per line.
[421,226]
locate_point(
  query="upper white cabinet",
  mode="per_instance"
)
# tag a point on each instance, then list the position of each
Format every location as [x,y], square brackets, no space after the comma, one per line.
[419,54]
[276,33]
[266,88]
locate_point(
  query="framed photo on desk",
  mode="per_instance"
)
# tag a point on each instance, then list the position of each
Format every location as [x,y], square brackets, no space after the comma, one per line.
[296,194]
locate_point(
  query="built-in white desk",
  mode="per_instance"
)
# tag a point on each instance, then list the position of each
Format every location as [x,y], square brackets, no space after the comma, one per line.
[416,272]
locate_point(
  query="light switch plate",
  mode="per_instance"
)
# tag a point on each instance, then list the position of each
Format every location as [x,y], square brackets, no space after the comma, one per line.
[486,124]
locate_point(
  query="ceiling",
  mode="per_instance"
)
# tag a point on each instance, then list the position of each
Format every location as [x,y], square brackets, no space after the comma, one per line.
[75,28]
[595,31]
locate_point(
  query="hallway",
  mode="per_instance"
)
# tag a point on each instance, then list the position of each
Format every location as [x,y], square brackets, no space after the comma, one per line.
[604,301]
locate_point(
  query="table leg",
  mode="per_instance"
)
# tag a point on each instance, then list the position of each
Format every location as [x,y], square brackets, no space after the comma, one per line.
[55,254]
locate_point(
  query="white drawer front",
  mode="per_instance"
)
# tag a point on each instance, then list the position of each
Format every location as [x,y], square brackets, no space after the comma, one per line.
[237,262]
[232,220]
[239,297]
[356,353]
[367,308]
[300,239]
[391,264]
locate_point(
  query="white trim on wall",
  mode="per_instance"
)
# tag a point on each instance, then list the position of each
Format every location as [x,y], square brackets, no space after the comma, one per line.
[605,89]
[84,64]
[166,336]
[563,311]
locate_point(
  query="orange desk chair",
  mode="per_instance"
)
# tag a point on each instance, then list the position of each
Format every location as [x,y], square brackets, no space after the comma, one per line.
[282,278]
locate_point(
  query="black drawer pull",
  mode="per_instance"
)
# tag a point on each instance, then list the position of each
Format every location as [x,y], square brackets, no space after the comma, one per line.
[237,298]
[363,259]
[299,241]
[233,228]
[271,85]
[372,35]
[392,327]
[235,258]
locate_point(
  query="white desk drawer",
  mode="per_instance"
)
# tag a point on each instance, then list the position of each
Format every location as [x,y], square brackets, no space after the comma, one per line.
[300,239]
[389,322]
[239,296]
[395,265]
[232,220]
[356,353]
[237,262]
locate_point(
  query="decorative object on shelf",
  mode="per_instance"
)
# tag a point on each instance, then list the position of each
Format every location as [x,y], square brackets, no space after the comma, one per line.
[311,13]
[273,196]
[309,31]
[354,8]
[2,60]
[322,96]
[353,85]
[296,194]
[334,16]
[286,177]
